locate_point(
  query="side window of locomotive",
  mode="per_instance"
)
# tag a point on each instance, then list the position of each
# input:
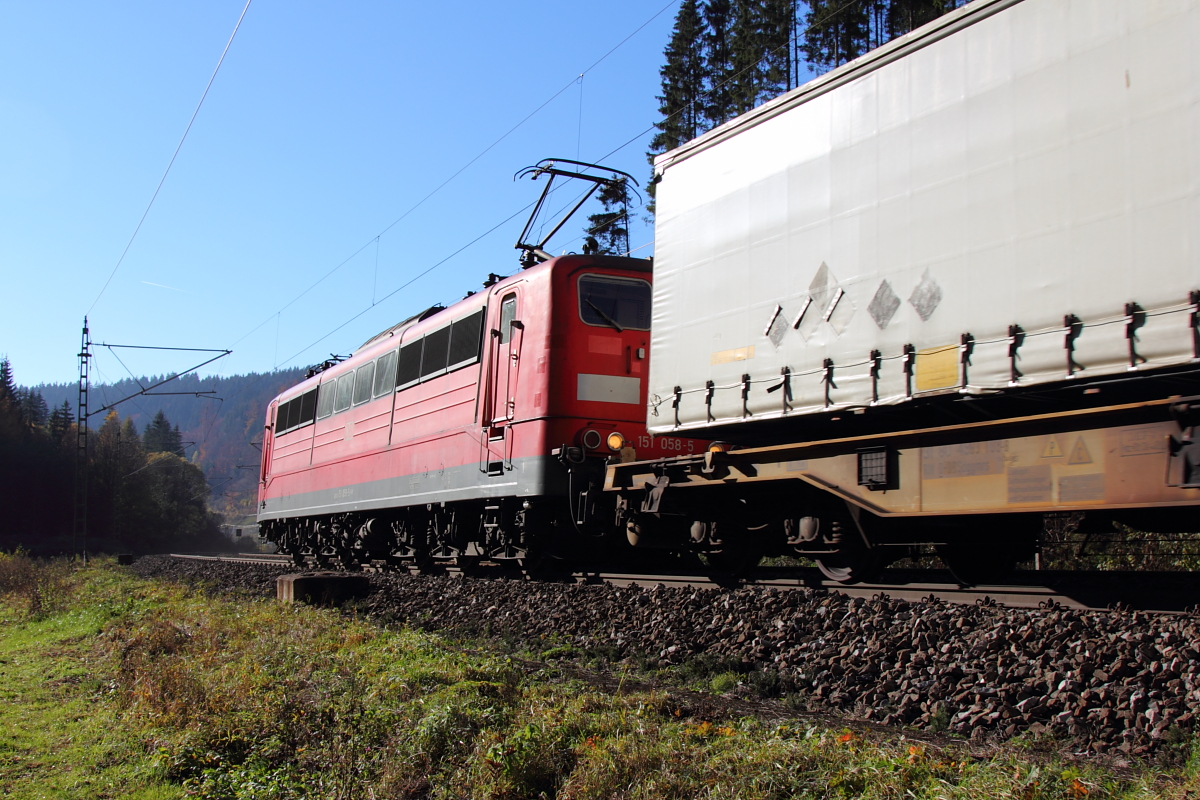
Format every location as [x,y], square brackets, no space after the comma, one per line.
[437,350]
[363,382]
[288,416]
[607,301]
[281,417]
[408,369]
[308,407]
[508,312]
[385,374]
[325,404]
[345,389]
[464,340]
[298,411]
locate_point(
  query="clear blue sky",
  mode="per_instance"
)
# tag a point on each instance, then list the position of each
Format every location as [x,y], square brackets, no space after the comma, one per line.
[326,123]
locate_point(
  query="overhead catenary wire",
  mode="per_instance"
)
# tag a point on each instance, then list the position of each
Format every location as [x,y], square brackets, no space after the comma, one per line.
[412,280]
[208,86]
[374,239]
[468,164]
[174,155]
[791,40]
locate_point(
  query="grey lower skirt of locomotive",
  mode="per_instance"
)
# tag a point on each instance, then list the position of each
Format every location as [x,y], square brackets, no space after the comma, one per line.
[737,504]
[574,524]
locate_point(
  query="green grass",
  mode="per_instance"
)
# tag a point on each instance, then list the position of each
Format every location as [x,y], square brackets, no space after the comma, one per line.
[117,687]
[61,735]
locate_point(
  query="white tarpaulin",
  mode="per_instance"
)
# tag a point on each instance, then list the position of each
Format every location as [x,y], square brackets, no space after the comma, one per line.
[1032,164]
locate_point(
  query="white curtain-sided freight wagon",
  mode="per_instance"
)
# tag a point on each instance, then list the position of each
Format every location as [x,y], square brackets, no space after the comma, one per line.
[1008,196]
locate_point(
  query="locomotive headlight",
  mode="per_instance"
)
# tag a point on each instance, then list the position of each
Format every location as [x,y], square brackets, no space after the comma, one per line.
[591,439]
[719,447]
[615,441]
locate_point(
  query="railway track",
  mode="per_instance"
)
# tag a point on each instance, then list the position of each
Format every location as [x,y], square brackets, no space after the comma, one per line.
[1155,592]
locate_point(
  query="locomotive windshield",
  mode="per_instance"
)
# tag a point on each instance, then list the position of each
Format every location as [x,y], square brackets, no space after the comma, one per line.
[611,302]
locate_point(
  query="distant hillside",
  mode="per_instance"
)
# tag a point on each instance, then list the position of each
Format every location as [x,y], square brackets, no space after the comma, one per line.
[220,427]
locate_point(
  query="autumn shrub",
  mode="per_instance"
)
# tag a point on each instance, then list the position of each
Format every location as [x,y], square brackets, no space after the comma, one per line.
[36,586]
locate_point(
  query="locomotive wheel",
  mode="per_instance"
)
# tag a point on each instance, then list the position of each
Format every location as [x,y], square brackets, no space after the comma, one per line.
[976,563]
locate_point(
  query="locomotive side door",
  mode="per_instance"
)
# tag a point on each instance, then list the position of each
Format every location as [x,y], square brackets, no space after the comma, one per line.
[267,445]
[499,409]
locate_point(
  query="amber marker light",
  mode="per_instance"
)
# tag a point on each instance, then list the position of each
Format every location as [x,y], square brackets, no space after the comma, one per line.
[615,441]
[719,447]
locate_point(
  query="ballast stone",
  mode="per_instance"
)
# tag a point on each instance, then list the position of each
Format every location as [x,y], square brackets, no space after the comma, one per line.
[321,588]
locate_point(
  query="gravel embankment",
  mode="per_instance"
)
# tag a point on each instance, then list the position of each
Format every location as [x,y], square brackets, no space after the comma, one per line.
[1103,680]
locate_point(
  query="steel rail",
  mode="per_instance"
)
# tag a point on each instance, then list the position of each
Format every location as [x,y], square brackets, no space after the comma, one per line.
[1162,593]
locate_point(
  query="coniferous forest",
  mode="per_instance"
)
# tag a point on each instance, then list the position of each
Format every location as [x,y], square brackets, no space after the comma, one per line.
[164,471]
[726,57]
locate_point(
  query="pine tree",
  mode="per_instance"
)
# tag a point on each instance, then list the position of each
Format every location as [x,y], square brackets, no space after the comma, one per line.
[160,437]
[718,61]
[33,409]
[837,31]
[60,422]
[902,16]
[683,80]
[747,51]
[10,398]
[608,231]
[778,19]
[683,77]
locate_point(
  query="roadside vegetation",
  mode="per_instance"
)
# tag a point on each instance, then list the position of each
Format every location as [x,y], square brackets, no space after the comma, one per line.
[118,687]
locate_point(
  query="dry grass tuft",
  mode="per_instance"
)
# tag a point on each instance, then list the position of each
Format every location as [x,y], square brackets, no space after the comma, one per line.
[36,586]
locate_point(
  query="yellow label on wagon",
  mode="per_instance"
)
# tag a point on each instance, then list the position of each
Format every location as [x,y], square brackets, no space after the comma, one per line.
[728,356]
[937,368]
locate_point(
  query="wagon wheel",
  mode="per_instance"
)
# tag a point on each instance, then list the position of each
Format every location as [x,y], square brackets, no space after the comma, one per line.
[841,552]
[737,552]
[850,561]
[850,564]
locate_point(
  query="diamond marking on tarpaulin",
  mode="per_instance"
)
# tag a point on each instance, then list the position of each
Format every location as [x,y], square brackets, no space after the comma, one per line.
[778,327]
[839,316]
[822,290]
[822,286]
[926,297]
[884,305]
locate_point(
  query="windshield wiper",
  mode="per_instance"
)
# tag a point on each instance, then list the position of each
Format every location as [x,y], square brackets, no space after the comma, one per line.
[603,316]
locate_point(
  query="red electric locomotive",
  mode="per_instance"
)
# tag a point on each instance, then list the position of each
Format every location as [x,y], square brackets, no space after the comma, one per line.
[478,430]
